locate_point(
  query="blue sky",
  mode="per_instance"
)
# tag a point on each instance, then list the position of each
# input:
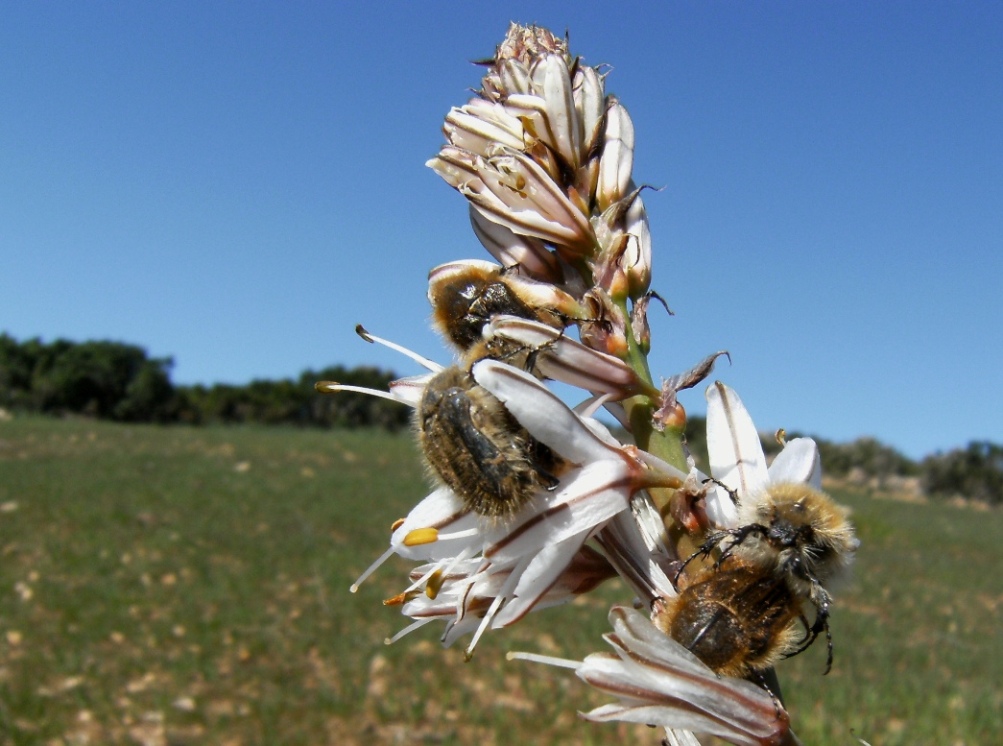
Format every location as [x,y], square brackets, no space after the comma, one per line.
[237,185]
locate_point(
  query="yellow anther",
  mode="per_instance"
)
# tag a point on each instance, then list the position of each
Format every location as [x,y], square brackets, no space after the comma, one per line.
[434,584]
[421,536]
[397,524]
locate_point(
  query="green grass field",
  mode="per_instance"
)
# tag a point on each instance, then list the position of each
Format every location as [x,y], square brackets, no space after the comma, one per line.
[190,586]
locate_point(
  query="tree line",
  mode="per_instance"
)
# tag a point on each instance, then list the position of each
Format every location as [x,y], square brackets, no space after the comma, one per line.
[974,472]
[119,382]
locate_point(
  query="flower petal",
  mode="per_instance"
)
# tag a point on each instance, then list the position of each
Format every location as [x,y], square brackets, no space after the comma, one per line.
[523,186]
[538,409]
[564,359]
[481,125]
[409,390]
[538,578]
[513,250]
[798,462]
[443,511]
[552,81]
[590,103]
[637,257]
[736,455]
[593,494]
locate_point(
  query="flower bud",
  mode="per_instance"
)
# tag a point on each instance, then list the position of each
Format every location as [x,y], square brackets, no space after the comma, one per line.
[637,257]
[617,157]
[588,93]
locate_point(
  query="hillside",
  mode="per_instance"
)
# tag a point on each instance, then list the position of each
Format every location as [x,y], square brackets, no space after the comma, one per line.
[181,585]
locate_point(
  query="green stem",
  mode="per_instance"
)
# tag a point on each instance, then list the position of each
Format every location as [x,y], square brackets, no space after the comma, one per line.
[667,444]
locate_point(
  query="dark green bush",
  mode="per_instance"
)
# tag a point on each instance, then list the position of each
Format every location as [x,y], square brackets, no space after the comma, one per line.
[117,381]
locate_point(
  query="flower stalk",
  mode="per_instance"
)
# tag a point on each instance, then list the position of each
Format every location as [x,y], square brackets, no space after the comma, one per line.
[536,502]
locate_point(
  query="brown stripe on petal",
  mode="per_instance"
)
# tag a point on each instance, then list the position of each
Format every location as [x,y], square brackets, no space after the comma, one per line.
[450,519]
[550,512]
[555,362]
[435,613]
[462,603]
[729,416]
[536,519]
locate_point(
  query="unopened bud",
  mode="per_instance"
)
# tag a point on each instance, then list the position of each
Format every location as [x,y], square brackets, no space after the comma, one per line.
[617,157]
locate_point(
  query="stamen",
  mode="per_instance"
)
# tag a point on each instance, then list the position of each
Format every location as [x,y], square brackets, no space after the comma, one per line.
[422,361]
[407,630]
[458,535]
[397,524]
[400,599]
[485,623]
[591,405]
[545,659]
[435,582]
[333,387]
[371,569]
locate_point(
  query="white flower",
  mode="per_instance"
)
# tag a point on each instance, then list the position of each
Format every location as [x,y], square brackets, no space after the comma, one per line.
[637,257]
[737,460]
[506,568]
[658,682]
[590,104]
[481,125]
[543,153]
[535,546]
[469,590]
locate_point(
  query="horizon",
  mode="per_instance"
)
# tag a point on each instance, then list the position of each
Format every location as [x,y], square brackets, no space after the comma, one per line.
[604,417]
